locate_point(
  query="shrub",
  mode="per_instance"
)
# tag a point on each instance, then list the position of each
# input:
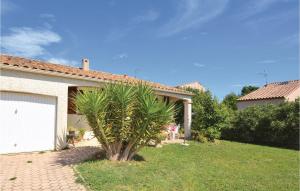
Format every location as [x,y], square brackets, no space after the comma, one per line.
[124,118]
[199,136]
[266,124]
[81,133]
[161,137]
[248,89]
[209,117]
[230,101]
[179,115]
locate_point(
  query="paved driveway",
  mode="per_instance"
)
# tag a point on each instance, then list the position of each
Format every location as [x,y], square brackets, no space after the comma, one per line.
[43,171]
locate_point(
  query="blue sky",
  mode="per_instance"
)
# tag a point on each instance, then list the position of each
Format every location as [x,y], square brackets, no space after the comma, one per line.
[223,44]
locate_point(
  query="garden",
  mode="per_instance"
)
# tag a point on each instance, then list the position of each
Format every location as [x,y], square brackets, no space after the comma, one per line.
[125,119]
[273,125]
[222,166]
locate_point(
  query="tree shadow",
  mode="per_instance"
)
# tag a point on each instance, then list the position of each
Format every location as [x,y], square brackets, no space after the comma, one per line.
[77,155]
[84,154]
[138,158]
[273,145]
[102,156]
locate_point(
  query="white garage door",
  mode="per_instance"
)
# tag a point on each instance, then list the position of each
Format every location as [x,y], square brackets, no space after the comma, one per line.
[27,122]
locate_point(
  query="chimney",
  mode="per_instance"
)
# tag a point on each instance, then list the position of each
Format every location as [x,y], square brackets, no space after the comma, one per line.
[85,64]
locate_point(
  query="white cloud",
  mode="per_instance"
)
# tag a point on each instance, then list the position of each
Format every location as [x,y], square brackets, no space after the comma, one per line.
[198,65]
[267,61]
[63,61]
[121,56]
[25,41]
[148,16]
[193,13]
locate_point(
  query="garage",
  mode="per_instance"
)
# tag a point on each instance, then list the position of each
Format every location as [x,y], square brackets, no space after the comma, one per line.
[28,122]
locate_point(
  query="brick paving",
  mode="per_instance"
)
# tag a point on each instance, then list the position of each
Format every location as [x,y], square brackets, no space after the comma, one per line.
[43,171]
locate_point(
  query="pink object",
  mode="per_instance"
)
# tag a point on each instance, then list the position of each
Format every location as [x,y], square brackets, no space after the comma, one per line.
[173,130]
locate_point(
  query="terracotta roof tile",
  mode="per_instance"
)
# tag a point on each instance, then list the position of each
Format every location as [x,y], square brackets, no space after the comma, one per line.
[273,90]
[73,71]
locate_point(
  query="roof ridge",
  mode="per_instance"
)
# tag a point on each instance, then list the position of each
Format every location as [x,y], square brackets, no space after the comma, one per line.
[273,90]
[34,64]
[287,81]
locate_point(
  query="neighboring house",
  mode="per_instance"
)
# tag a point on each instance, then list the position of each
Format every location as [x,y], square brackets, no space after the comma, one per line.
[36,101]
[193,85]
[274,93]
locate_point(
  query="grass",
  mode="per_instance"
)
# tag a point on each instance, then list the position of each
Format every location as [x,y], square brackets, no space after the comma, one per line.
[223,166]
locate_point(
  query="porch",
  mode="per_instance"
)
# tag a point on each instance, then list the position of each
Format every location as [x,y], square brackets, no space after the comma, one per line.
[77,121]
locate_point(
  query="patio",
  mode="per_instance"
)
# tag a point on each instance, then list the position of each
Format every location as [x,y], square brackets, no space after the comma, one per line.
[43,170]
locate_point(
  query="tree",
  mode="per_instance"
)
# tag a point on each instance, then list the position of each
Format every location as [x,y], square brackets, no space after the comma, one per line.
[207,115]
[248,89]
[124,118]
[230,101]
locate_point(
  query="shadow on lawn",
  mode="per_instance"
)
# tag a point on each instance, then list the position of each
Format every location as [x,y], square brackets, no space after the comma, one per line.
[82,154]
[288,147]
[101,156]
[77,155]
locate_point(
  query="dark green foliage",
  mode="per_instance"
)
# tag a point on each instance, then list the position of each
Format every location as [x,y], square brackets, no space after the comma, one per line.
[179,115]
[230,101]
[124,118]
[209,117]
[276,125]
[248,89]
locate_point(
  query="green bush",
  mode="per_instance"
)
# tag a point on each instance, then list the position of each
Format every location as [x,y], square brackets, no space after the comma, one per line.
[209,117]
[199,136]
[81,133]
[161,137]
[276,125]
[124,118]
[230,101]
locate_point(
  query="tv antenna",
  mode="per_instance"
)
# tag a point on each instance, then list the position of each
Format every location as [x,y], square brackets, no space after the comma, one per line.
[265,75]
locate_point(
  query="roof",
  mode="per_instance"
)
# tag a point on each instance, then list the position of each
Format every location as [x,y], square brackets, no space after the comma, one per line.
[193,85]
[42,66]
[273,90]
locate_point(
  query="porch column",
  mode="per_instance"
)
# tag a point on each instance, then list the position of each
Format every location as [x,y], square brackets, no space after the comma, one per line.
[187,118]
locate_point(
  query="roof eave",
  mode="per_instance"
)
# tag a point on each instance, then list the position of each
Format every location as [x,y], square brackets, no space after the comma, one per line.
[255,99]
[82,77]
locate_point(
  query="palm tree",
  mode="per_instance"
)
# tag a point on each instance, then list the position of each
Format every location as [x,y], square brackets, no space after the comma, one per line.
[124,118]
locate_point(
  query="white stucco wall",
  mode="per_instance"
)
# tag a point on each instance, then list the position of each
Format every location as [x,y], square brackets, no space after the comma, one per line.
[293,96]
[244,104]
[25,82]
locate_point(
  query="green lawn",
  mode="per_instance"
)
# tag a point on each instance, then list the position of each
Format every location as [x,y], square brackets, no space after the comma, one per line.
[222,166]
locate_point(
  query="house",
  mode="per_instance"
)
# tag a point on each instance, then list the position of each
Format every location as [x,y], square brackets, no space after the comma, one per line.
[36,104]
[193,85]
[275,93]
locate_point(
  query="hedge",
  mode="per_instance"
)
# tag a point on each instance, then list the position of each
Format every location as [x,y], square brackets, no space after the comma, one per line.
[276,125]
